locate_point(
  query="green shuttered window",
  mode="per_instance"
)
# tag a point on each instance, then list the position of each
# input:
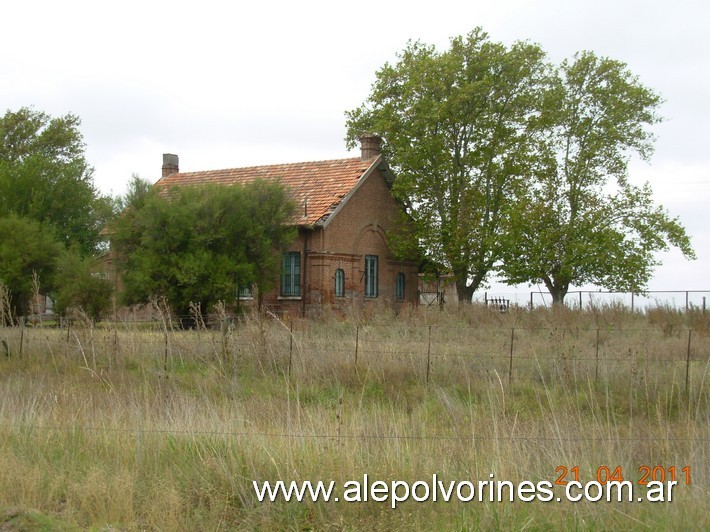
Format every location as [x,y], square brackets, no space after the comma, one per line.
[291,274]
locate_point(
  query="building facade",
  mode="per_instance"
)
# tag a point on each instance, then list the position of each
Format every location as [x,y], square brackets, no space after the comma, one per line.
[345,214]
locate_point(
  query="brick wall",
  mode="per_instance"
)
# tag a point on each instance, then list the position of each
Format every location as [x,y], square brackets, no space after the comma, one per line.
[358,229]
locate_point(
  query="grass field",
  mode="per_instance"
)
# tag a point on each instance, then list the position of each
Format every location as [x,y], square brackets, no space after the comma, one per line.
[135,428]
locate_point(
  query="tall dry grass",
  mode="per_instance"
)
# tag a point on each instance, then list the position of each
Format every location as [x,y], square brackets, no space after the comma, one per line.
[165,430]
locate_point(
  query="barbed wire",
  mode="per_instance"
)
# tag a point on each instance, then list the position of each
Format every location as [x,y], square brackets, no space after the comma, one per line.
[105,325]
[344,436]
[483,356]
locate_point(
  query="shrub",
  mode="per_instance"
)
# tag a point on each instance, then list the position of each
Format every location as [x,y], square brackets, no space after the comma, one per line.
[82,285]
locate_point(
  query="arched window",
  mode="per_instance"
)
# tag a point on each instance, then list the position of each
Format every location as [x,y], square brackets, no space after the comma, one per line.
[399,286]
[339,283]
[371,275]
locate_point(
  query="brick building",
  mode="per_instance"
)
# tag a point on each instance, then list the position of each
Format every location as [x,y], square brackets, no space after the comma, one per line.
[344,212]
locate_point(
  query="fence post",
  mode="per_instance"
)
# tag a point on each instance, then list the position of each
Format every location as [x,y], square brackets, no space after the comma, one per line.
[580,300]
[428,357]
[167,347]
[357,341]
[290,347]
[22,333]
[596,358]
[687,365]
[531,300]
[686,301]
[510,367]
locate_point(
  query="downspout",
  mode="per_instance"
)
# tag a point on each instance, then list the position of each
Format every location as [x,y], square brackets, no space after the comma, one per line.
[305,273]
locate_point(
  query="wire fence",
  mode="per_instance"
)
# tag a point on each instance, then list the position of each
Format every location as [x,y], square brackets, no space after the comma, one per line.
[590,299]
[675,360]
[430,353]
[345,436]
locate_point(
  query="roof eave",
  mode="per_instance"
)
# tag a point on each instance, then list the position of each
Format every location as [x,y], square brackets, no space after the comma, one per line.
[307,227]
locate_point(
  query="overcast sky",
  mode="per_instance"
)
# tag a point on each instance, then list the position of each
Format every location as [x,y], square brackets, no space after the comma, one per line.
[229,84]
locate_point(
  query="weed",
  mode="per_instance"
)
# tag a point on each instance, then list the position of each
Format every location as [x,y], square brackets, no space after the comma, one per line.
[140,428]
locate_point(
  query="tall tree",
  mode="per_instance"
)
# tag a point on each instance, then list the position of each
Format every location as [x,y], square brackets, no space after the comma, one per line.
[44,175]
[28,251]
[199,244]
[456,129]
[581,220]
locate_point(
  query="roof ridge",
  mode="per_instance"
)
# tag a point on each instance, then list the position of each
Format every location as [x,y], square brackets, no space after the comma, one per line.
[274,165]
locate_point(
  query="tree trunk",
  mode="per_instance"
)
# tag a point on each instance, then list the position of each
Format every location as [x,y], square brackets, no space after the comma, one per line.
[558,297]
[465,291]
[557,290]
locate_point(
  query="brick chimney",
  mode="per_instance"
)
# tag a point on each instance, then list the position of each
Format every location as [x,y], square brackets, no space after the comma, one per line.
[370,147]
[170,164]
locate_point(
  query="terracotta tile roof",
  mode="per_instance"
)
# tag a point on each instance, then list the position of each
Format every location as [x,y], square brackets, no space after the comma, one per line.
[316,187]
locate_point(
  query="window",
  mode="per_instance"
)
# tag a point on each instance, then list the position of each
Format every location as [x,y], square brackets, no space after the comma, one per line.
[370,275]
[399,286]
[245,291]
[339,283]
[291,274]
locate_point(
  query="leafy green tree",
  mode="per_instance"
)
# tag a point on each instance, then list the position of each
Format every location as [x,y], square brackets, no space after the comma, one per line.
[199,244]
[81,285]
[456,130]
[45,176]
[581,220]
[26,249]
[137,191]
